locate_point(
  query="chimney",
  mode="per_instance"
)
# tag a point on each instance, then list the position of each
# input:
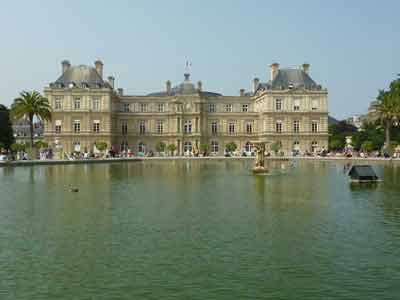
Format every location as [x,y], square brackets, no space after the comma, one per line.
[99,67]
[111,81]
[274,70]
[168,87]
[199,85]
[254,85]
[120,91]
[65,64]
[306,68]
[241,92]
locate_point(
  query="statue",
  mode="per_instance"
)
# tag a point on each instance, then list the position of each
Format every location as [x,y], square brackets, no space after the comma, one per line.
[259,166]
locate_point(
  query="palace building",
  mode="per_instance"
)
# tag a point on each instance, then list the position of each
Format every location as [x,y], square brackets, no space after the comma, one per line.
[289,108]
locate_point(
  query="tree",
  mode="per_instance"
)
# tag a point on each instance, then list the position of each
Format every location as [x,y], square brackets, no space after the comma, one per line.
[30,105]
[41,144]
[205,148]
[388,109]
[231,147]
[336,143]
[6,131]
[171,149]
[367,146]
[160,147]
[276,146]
[17,147]
[101,146]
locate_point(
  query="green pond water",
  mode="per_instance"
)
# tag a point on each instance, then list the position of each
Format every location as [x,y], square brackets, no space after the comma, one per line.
[198,230]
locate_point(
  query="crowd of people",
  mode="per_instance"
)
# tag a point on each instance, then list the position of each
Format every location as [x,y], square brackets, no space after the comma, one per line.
[47,153]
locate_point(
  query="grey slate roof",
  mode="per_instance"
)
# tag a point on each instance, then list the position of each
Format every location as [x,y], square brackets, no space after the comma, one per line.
[80,76]
[290,78]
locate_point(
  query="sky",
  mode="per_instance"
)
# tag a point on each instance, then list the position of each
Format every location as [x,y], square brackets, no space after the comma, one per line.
[353,47]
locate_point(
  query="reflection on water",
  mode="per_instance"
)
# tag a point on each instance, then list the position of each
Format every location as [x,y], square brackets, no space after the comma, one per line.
[198,230]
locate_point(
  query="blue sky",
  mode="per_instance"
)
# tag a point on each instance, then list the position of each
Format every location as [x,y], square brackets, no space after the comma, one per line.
[353,46]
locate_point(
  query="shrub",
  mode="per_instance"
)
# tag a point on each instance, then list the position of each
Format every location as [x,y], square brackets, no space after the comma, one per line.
[171,148]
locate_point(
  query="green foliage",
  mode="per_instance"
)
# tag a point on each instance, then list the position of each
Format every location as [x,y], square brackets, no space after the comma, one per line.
[231,147]
[17,147]
[101,146]
[336,143]
[205,147]
[160,147]
[171,148]
[276,146]
[40,144]
[30,105]
[2,146]
[388,107]
[6,131]
[367,146]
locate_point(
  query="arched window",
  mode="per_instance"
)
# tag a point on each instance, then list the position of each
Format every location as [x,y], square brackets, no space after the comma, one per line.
[187,147]
[214,147]
[142,148]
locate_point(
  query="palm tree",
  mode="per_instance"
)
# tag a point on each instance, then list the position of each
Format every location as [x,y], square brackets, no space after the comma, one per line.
[388,109]
[30,105]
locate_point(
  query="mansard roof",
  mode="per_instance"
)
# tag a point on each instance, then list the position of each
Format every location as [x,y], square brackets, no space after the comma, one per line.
[288,79]
[80,76]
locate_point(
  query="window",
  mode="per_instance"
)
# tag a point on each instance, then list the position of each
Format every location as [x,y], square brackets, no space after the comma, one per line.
[249,127]
[214,127]
[77,103]
[187,126]
[58,103]
[96,126]
[296,104]
[141,148]
[77,146]
[58,126]
[161,107]
[160,126]
[228,107]
[278,104]
[214,147]
[296,126]
[77,126]
[314,146]
[124,146]
[96,104]
[124,127]
[211,107]
[187,147]
[231,128]
[142,127]
[314,126]
[278,126]
[143,107]
[245,108]
[296,145]
[314,104]
[125,107]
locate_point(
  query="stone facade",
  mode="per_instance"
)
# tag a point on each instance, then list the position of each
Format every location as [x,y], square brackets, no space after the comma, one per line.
[289,108]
